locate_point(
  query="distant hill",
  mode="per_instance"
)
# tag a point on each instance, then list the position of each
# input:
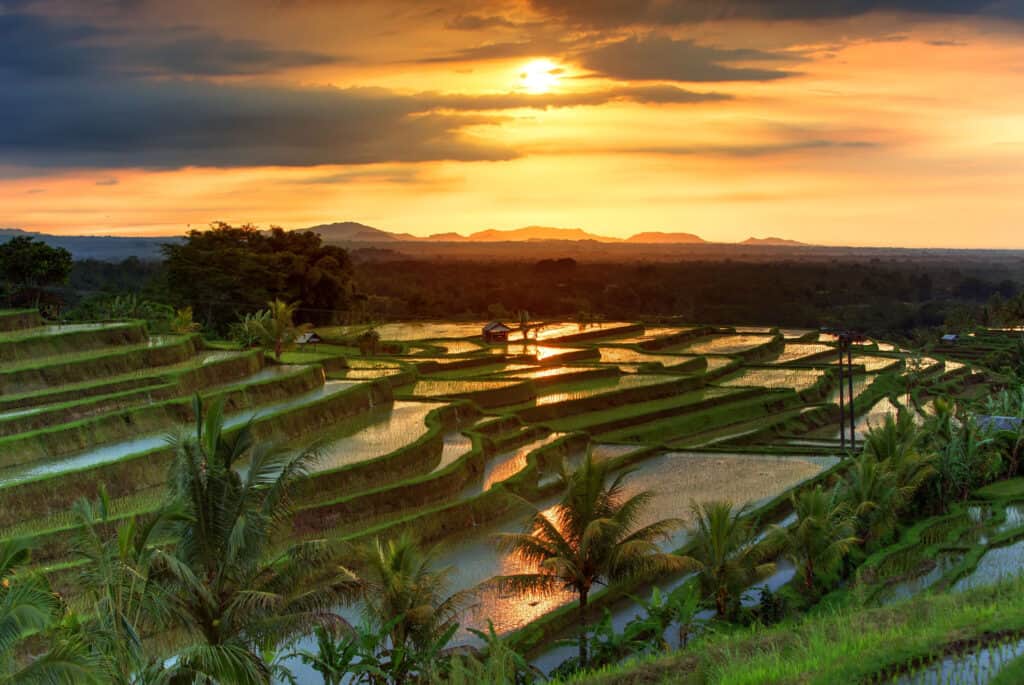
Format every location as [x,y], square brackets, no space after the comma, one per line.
[450,237]
[104,248]
[772,241]
[663,237]
[353,232]
[360,236]
[494,235]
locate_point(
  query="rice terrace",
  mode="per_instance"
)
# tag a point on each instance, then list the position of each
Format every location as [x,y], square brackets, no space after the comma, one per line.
[511,342]
[424,433]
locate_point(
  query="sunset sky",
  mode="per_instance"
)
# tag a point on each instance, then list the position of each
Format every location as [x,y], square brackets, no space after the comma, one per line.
[896,122]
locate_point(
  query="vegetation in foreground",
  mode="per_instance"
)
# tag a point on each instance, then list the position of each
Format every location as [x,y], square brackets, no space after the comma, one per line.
[833,644]
[200,591]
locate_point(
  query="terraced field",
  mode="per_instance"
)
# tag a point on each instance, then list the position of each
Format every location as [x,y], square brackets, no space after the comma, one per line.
[90,406]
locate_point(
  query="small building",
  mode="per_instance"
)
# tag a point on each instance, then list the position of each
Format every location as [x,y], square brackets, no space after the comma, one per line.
[950,339]
[496,331]
[310,338]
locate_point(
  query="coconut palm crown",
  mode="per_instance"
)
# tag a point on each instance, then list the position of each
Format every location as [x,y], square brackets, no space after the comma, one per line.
[592,537]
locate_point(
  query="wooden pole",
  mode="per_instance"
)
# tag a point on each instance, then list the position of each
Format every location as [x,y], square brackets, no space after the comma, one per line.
[853,414]
[842,405]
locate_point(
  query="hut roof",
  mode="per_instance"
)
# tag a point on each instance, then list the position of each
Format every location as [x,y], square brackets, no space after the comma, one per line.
[310,338]
[497,327]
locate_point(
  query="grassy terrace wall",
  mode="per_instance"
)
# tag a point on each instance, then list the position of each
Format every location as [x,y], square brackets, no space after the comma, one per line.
[147,471]
[78,436]
[45,344]
[414,459]
[68,407]
[707,419]
[678,338]
[457,364]
[575,377]
[75,369]
[772,348]
[670,412]
[424,489]
[19,319]
[500,501]
[615,398]
[422,455]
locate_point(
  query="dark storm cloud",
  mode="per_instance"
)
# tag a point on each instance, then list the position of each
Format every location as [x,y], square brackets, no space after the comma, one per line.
[171,124]
[659,58]
[39,46]
[618,13]
[74,95]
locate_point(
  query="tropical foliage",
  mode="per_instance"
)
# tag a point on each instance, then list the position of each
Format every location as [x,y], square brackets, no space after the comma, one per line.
[820,538]
[591,537]
[29,611]
[725,554]
[274,327]
[404,598]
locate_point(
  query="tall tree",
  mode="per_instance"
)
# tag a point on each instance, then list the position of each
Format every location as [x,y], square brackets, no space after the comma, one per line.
[228,271]
[29,265]
[591,538]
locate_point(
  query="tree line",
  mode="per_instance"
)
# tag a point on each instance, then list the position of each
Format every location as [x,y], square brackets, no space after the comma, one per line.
[228,272]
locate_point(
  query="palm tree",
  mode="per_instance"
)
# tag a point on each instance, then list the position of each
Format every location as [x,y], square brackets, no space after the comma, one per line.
[592,538]
[967,461]
[821,537]
[182,321]
[277,326]
[234,596]
[28,609]
[402,590]
[898,441]
[724,552]
[116,584]
[875,497]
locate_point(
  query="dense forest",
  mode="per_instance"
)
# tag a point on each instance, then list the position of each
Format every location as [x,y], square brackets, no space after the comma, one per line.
[882,299]
[228,272]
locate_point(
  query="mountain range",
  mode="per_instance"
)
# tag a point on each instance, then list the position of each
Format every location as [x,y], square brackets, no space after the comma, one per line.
[356,235]
[352,232]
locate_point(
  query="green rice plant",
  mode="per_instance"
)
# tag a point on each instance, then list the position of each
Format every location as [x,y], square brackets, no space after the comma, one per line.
[774,378]
[453,388]
[724,344]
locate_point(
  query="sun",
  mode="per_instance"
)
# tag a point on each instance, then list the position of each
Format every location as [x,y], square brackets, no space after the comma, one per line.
[540,75]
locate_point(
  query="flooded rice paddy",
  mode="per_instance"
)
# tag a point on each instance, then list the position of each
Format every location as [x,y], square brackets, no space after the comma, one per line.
[722,344]
[774,378]
[119,450]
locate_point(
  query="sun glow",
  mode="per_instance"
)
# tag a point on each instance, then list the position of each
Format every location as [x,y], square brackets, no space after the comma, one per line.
[540,75]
